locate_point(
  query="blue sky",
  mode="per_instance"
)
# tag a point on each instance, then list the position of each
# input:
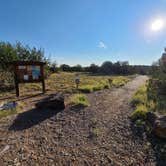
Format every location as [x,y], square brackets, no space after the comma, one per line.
[86,31]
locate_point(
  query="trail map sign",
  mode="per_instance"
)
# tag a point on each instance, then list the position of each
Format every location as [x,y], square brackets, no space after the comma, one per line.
[28,72]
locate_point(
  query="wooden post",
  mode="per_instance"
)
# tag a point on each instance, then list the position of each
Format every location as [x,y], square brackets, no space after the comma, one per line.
[16,81]
[43,82]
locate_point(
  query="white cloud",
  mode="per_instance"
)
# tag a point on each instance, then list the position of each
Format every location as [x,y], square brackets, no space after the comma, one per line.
[102,45]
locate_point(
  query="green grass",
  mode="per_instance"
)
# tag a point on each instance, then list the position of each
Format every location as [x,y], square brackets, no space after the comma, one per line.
[145,100]
[79,100]
[139,103]
[119,81]
[103,83]
[86,88]
[5,113]
[140,96]
[140,112]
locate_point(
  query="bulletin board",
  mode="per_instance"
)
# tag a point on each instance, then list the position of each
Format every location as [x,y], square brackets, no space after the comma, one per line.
[28,72]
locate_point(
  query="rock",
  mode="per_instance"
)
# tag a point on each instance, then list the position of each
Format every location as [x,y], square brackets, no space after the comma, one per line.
[151,117]
[160,127]
[55,102]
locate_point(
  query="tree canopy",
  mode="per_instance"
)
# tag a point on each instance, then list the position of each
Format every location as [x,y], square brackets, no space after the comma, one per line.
[12,52]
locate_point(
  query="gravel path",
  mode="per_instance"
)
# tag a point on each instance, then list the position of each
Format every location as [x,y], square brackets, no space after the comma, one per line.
[101,134]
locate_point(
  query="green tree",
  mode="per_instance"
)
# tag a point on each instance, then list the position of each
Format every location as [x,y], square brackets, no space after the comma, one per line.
[93,68]
[9,53]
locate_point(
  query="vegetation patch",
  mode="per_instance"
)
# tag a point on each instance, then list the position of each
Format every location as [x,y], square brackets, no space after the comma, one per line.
[139,112]
[79,100]
[140,104]
[140,97]
[119,81]
[64,82]
[148,99]
[94,130]
[86,88]
[103,84]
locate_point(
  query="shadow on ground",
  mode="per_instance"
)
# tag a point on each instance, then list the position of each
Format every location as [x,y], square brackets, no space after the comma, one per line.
[157,147]
[30,96]
[31,118]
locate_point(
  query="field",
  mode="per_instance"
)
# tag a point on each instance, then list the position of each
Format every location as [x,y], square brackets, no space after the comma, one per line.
[62,82]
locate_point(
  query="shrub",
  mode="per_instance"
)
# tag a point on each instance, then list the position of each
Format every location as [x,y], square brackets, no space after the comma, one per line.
[79,100]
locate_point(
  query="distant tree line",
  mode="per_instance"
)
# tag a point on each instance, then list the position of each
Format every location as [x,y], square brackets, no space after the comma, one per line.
[108,68]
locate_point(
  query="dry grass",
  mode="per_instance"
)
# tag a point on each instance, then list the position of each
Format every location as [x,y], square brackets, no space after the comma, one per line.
[64,82]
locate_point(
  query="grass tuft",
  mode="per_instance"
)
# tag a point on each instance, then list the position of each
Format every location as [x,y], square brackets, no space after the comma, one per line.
[86,88]
[79,100]
[140,112]
[140,97]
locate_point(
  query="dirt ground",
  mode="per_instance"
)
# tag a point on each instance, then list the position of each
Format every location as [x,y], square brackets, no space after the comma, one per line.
[101,134]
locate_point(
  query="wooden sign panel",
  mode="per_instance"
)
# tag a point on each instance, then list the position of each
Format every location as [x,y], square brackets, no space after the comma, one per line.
[28,72]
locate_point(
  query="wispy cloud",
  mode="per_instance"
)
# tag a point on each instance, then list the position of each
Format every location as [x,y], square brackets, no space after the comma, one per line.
[102,45]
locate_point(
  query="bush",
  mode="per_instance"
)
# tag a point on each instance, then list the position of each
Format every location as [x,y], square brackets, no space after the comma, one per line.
[79,100]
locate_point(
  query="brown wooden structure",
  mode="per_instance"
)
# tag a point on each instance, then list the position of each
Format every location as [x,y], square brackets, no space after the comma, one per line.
[28,72]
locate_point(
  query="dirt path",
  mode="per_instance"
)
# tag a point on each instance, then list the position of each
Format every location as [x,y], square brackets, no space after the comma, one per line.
[98,135]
